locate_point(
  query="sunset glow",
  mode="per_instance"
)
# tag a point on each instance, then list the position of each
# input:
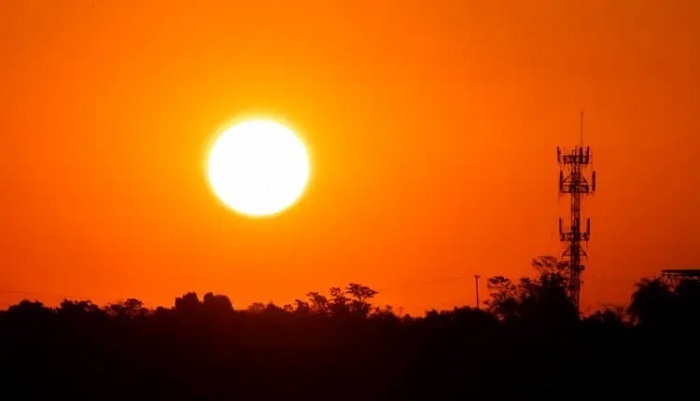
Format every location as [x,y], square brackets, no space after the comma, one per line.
[431,130]
[349,200]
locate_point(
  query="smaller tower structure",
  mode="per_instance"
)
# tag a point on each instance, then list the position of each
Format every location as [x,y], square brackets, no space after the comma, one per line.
[673,277]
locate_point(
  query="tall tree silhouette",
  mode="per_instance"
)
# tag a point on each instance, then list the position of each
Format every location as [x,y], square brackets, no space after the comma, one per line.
[339,302]
[659,305]
[188,303]
[360,294]
[215,304]
[651,303]
[318,303]
[543,298]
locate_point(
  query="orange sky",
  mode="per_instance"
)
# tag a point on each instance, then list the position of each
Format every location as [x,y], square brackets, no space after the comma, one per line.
[433,128]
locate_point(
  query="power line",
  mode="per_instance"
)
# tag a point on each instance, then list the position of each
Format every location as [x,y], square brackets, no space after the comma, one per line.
[45,294]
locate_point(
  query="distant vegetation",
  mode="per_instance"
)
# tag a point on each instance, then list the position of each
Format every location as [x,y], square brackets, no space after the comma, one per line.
[528,343]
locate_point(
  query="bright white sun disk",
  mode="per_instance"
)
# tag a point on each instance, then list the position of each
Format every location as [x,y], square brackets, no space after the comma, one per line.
[258,167]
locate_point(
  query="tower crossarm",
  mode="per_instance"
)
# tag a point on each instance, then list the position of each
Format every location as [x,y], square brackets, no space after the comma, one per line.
[569,236]
[575,186]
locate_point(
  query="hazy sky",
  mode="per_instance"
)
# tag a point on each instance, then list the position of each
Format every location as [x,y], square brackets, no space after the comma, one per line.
[433,129]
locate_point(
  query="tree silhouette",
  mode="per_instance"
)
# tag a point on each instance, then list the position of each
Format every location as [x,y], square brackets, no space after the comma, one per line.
[77,308]
[360,295]
[688,300]
[504,297]
[338,305]
[130,308]
[256,307]
[217,304]
[529,343]
[651,302]
[655,304]
[544,298]
[188,303]
[318,303]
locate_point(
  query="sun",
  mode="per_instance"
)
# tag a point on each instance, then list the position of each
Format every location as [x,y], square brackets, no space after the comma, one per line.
[258,167]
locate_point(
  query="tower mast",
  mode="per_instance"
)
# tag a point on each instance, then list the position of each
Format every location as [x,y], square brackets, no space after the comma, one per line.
[573,182]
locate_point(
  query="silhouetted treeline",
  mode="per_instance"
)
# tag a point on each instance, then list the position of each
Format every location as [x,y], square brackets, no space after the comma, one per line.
[528,343]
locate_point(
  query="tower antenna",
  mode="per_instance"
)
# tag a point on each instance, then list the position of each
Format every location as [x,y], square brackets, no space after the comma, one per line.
[581,128]
[573,182]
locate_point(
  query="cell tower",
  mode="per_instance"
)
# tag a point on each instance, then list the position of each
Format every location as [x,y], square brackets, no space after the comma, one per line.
[573,182]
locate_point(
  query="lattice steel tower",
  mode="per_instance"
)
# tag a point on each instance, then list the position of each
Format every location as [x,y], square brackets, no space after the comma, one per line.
[573,182]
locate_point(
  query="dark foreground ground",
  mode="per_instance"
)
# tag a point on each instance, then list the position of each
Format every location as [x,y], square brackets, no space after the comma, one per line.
[80,352]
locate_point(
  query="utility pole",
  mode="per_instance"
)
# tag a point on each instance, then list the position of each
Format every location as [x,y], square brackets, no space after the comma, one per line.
[575,184]
[476,278]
